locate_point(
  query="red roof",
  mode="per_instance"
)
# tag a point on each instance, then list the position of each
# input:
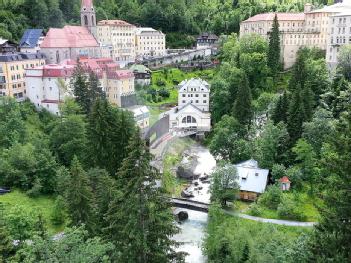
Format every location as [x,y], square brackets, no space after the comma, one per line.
[284,179]
[50,101]
[114,22]
[87,3]
[281,17]
[54,71]
[68,37]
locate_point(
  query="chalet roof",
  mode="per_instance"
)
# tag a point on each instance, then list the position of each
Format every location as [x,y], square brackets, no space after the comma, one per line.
[251,177]
[30,38]
[69,37]
[281,17]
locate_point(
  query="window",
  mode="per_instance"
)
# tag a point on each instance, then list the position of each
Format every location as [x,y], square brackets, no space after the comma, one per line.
[183,95]
[205,101]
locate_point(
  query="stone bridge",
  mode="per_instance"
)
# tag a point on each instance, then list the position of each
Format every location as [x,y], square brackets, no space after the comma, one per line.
[190,204]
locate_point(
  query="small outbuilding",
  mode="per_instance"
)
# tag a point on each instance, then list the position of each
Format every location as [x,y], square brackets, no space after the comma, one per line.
[284,183]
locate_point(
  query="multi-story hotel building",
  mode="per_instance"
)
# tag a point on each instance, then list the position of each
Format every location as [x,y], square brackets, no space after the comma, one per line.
[12,72]
[308,29]
[120,35]
[340,35]
[149,42]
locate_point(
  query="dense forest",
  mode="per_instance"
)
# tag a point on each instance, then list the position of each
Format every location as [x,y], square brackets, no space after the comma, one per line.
[180,19]
[92,161]
[295,123]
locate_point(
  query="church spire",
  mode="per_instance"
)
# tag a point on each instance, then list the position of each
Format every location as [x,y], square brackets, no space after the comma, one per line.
[88,16]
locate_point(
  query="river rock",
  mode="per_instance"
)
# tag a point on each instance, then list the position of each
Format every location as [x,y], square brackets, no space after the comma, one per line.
[187,194]
[180,215]
[186,169]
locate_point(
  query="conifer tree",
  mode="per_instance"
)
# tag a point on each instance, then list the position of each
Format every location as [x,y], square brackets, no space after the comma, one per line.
[332,236]
[242,109]
[79,196]
[273,57]
[281,109]
[109,131]
[80,88]
[140,220]
[94,88]
[296,117]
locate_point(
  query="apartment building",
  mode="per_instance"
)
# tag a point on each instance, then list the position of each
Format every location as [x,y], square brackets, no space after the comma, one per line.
[48,86]
[310,29]
[119,35]
[340,35]
[149,42]
[13,71]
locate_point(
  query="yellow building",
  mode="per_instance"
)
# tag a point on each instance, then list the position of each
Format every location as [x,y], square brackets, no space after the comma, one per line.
[120,36]
[12,72]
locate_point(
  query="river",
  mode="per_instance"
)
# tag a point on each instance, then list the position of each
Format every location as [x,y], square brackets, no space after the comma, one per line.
[193,230]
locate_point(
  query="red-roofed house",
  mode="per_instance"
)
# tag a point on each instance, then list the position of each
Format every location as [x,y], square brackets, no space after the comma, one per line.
[69,42]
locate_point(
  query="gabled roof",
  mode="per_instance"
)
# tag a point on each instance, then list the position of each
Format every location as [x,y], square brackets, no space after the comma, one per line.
[206,35]
[30,38]
[69,37]
[251,177]
[87,4]
[281,17]
[194,83]
[139,68]
[284,179]
[191,105]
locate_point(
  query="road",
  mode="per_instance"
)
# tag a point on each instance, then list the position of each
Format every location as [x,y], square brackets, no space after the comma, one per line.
[272,221]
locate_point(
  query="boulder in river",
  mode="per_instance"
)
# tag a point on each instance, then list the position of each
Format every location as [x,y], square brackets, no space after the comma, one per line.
[187,194]
[181,215]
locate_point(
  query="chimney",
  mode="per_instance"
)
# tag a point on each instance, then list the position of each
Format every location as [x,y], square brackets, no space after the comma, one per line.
[308,8]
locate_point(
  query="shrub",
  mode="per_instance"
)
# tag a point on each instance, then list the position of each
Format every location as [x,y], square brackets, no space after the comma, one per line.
[164,93]
[272,197]
[288,209]
[255,210]
[160,82]
[278,171]
[58,214]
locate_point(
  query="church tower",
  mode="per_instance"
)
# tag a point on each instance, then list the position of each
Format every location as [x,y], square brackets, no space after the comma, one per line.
[88,16]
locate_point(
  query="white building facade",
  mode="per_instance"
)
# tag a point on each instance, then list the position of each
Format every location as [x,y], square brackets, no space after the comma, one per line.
[340,35]
[149,42]
[195,92]
[192,114]
[48,86]
[308,29]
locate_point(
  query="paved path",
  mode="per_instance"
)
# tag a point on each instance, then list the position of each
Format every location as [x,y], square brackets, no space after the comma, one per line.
[272,221]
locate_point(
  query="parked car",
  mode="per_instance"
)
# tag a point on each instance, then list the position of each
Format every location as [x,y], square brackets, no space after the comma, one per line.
[4,191]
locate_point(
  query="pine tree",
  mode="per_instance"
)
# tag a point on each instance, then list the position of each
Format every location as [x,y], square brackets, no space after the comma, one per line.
[280,111]
[79,196]
[109,131]
[94,88]
[308,102]
[332,236]
[242,109]
[140,220]
[296,117]
[80,88]
[273,57]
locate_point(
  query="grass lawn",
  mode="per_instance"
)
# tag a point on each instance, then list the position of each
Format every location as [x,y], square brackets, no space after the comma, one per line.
[306,204]
[42,204]
[168,78]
